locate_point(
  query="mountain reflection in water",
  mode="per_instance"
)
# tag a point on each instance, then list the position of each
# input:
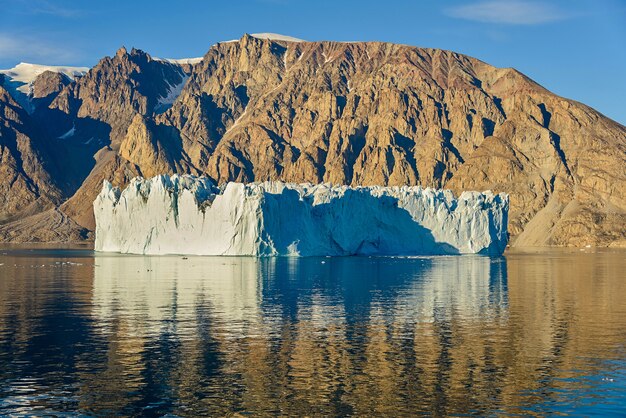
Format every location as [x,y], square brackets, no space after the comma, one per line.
[111,334]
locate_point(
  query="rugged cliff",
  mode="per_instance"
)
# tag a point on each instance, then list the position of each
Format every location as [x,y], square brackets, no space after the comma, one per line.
[346,113]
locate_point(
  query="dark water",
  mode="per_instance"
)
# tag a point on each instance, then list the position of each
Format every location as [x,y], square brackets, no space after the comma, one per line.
[529,333]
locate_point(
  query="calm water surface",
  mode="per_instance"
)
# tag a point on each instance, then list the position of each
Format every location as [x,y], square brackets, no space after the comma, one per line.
[530,333]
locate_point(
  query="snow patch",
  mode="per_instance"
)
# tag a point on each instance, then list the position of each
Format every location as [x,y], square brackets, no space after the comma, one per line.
[188,215]
[174,91]
[245,110]
[270,36]
[19,79]
[180,61]
[276,37]
[26,73]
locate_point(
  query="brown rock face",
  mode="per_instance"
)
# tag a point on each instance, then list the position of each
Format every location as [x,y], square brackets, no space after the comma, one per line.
[49,83]
[26,183]
[154,149]
[109,166]
[117,89]
[51,225]
[358,113]
[100,108]
[375,113]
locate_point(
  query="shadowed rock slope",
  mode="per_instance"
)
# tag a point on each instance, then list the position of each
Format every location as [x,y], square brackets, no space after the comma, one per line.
[357,114]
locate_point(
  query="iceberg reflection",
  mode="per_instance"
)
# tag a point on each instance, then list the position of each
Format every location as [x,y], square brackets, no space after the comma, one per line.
[129,335]
[248,290]
[156,288]
[301,324]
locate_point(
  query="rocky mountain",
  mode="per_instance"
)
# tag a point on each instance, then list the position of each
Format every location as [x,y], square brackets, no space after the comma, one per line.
[266,107]
[29,191]
[22,79]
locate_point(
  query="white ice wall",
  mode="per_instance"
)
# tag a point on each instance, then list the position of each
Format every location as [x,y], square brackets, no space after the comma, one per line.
[187,215]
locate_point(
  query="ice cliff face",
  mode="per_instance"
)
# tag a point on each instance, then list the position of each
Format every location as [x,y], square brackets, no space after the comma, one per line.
[188,215]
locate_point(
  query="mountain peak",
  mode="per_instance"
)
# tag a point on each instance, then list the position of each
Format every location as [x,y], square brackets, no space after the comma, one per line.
[373,113]
[19,80]
[276,37]
[267,35]
[121,52]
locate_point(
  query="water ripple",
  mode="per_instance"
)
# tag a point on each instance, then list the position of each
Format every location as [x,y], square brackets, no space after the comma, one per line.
[532,333]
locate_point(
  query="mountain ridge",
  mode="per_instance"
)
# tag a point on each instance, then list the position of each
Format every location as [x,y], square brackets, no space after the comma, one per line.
[348,113]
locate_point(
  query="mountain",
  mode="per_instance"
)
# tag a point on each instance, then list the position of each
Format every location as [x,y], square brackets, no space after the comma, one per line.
[21,79]
[29,191]
[271,107]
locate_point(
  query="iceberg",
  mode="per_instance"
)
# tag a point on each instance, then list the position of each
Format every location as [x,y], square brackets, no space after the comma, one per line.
[189,215]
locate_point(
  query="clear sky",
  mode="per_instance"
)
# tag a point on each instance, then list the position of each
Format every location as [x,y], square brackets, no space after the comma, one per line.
[576,48]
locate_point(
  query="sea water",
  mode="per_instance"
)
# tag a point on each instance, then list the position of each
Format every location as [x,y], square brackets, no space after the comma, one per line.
[533,332]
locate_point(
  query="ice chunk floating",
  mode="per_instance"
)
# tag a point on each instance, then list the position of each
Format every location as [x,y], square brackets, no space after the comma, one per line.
[188,215]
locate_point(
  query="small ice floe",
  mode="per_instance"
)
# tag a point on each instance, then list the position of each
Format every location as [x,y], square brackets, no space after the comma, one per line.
[66,263]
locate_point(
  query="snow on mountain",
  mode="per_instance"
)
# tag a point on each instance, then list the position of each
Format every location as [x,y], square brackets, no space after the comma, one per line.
[192,61]
[188,215]
[276,37]
[172,94]
[272,36]
[25,73]
[180,61]
[19,79]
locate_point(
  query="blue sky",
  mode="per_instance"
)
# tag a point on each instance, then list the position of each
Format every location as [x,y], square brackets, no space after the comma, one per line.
[576,48]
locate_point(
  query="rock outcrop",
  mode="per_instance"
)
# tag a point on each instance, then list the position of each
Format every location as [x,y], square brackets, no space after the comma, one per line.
[348,113]
[27,170]
[117,89]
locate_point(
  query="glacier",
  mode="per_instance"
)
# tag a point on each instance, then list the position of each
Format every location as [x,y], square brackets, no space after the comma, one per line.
[184,214]
[19,80]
